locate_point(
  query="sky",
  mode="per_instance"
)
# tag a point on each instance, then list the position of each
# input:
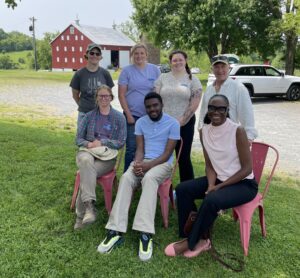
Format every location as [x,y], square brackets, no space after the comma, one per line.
[56,15]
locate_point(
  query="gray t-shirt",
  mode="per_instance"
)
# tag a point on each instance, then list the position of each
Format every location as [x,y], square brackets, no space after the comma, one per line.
[87,82]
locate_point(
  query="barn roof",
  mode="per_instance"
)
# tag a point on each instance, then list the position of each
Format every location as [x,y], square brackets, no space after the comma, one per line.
[105,36]
[101,35]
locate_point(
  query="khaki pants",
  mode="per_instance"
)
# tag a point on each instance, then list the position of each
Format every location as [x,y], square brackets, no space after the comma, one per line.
[145,213]
[89,168]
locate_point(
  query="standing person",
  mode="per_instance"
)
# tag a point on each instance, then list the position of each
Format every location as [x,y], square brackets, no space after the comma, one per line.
[101,133]
[181,94]
[86,80]
[241,110]
[229,180]
[156,135]
[135,82]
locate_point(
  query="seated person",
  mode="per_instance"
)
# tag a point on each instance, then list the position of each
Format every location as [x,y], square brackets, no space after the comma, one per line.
[229,180]
[103,126]
[156,136]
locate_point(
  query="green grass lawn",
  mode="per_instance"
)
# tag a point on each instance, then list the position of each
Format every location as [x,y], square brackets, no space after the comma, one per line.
[37,238]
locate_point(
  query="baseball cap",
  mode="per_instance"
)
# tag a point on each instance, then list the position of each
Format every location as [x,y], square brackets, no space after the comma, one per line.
[92,46]
[219,59]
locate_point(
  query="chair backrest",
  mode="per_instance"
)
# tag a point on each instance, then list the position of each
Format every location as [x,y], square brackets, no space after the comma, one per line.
[119,158]
[259,154]
[177,159]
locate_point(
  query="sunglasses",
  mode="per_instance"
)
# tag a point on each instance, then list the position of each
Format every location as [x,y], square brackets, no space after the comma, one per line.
[92,53]
[219,58]
[220,109]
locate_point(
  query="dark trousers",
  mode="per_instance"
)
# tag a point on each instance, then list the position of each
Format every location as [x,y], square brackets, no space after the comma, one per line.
[227,197]
[186,171]
[130,144]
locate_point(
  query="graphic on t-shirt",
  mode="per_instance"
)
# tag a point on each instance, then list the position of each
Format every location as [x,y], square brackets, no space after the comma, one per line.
[93,84]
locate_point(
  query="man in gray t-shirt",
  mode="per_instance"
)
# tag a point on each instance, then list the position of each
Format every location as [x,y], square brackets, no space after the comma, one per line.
[86,80]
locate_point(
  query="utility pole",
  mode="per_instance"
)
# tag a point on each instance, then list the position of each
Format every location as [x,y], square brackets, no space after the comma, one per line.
[32,29]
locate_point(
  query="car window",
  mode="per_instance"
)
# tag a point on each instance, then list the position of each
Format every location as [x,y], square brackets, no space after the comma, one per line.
[243,71]
[272,72]
[257,71]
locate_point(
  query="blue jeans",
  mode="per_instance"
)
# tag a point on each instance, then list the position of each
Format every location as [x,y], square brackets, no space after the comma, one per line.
[130,144]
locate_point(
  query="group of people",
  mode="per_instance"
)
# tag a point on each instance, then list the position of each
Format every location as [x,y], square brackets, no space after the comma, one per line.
[158,110]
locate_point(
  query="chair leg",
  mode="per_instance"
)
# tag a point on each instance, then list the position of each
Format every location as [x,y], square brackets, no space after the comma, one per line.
[262,221]
[171,196]
[234,215]
[107,186]
[75,191]
[164,206]
[245,229]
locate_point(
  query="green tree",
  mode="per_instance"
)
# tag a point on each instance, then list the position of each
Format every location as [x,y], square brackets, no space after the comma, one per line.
[215,26]
[6,62]
[130,30]
[11,3]
[290,26]
[44,53]
[14,41]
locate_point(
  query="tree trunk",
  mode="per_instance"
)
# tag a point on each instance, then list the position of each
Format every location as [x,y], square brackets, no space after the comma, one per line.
[212,48]
[291,42]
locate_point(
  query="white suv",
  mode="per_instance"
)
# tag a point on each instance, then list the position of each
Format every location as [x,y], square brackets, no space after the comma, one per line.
[264,80]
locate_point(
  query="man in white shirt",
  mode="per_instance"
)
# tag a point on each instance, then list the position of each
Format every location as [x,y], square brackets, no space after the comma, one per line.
[240,106]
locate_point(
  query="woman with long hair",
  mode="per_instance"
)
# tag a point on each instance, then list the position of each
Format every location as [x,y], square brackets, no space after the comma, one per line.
[181,94]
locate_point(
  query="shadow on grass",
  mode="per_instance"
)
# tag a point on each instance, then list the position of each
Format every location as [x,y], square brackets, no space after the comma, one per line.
[37,238]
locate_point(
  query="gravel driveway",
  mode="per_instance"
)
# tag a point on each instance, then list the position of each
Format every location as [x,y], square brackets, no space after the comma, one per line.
[277,120]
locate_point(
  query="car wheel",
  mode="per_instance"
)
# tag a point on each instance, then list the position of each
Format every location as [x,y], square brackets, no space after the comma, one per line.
[293,93]
[250,90]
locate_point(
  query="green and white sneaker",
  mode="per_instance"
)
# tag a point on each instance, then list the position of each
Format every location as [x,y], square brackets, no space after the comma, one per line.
[112,240]
[145,247]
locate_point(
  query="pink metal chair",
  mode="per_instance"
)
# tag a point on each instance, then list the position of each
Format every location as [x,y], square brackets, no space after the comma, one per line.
[244,212]
[107,181]
[165,192]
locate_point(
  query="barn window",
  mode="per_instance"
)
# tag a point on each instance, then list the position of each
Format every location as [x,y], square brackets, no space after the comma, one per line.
[62,37]
[72,30]
[68,37]
[76,38]
[80,48]
[73,48]
[73,60]
[81,37]
[57,59]
[65,48]
[66,59]
[81,61]
[57,48]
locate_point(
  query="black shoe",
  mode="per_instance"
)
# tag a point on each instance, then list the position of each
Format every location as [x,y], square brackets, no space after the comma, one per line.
[145,247]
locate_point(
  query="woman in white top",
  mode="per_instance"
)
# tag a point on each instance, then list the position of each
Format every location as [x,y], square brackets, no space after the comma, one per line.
[229,180]
[181,94]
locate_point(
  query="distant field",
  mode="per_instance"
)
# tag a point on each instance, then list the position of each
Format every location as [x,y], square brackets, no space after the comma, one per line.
[29,75]
[15,56]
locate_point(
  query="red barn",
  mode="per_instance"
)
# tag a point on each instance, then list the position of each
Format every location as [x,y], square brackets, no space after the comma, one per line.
[69,47]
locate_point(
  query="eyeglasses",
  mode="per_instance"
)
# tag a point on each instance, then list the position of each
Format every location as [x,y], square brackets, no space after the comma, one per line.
[220,109]
[104,96]
[219,58]
[92,53]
